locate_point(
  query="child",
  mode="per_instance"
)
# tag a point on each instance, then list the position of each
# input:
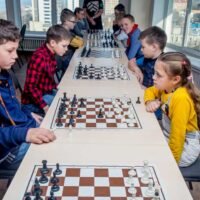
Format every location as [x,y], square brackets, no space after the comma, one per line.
[153,42]
[82,24]
[180,102]
[40,86]
[68,21]
[131,29]
[119,11]
[17,125]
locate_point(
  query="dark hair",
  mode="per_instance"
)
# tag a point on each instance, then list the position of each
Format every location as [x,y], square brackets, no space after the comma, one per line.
[177,64]
[130,17]
[78,10]
[120,7]
[156,35]
[57,33]
[8,32]
[66,14]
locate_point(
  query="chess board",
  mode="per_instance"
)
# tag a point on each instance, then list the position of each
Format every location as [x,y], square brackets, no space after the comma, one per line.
[104,53]
[116,113]
[96,183]
[100,72]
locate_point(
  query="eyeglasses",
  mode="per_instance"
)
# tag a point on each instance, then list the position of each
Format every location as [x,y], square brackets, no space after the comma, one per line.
[74,22]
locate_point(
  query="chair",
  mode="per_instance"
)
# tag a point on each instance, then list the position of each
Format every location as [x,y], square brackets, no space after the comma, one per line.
[7,174]
[15,80]
[21,45]
[191,173]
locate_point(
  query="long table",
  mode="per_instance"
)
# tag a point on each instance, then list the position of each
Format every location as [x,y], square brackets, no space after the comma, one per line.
[115,147]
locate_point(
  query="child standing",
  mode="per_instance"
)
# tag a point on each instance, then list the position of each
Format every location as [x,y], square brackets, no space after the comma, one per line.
[180,102]
[17,125]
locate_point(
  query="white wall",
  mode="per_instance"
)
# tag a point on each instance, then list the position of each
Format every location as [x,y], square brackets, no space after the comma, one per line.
[142,11]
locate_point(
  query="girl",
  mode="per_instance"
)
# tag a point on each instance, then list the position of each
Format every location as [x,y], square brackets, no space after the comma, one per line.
[180,102]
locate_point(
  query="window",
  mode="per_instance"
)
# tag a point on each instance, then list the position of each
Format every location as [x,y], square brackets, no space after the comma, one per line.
[70,4]
[183,24]
[3,9]
[109,13]
[33,14]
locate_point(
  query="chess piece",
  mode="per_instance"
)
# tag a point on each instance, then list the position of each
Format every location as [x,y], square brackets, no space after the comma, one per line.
[72,111]
[79,114]
[91,76]
[98,77]
[43,179]
[131,174]
[74,100]
[36,188]
[59,122]
[109,113]
[156,194]
[27,196]
[145,177]
[37,196]
[150,190]
[132,190]
[54,178]
[100,115]
[64,96]
[52,197]
[138,100]
[58,171]
[55,187]
[71,121]
[82,105]
[44,169]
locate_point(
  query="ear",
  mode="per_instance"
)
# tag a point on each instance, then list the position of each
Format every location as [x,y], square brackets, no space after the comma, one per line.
[176,80]
[155,46]
[52,43]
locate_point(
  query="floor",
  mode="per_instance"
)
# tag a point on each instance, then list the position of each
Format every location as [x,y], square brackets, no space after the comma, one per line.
[21,74]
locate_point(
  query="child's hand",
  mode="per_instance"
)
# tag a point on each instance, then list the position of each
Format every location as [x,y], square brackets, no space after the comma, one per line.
[46,108]
[152,106]
[139,75]
[39,136]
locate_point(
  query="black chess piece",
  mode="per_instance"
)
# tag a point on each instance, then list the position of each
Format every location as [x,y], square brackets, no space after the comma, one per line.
[27,196]
[52,197]
[74,100]
[98,77]
[44,167]
[71,121]
[138,100]
[72,111]
[64,96]
[36,188]
[82,105]
[91,76]
[58,171]
[100,115]
[55,187]
[37,196]
[43,179]
[79,114]
[59,122]
[54,178]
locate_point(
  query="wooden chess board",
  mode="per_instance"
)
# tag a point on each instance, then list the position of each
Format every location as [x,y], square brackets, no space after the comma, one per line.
[117,113]
[101,73]
[96,183]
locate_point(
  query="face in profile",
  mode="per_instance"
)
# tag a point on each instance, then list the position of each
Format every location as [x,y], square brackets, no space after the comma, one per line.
[8,54]
[61,47]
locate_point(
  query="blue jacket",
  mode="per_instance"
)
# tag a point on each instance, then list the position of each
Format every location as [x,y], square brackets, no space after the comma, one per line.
[134,49]
[12,135]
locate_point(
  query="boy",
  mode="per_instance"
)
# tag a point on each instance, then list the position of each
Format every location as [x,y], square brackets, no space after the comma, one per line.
[82,24]
[133,43]
[68,21]
[153,42]
[17,126]
[40,86]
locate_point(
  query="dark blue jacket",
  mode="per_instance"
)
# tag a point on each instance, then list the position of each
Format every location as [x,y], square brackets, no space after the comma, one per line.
[12,135]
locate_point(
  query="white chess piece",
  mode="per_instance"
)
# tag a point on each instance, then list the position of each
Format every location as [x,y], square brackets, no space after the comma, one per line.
[150,190]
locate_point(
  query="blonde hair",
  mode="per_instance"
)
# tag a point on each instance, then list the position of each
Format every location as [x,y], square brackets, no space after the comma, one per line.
[177,64]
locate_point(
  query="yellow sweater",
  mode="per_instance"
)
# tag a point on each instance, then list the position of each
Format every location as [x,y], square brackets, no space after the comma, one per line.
[182,115]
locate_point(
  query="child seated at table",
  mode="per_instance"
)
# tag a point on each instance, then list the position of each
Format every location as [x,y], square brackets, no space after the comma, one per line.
[179,99]
[133,50]
[40,86]
[17,125]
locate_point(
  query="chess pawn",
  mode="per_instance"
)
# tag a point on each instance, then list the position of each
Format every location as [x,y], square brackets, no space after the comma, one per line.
[131,174]
[150,191]
[132,190]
